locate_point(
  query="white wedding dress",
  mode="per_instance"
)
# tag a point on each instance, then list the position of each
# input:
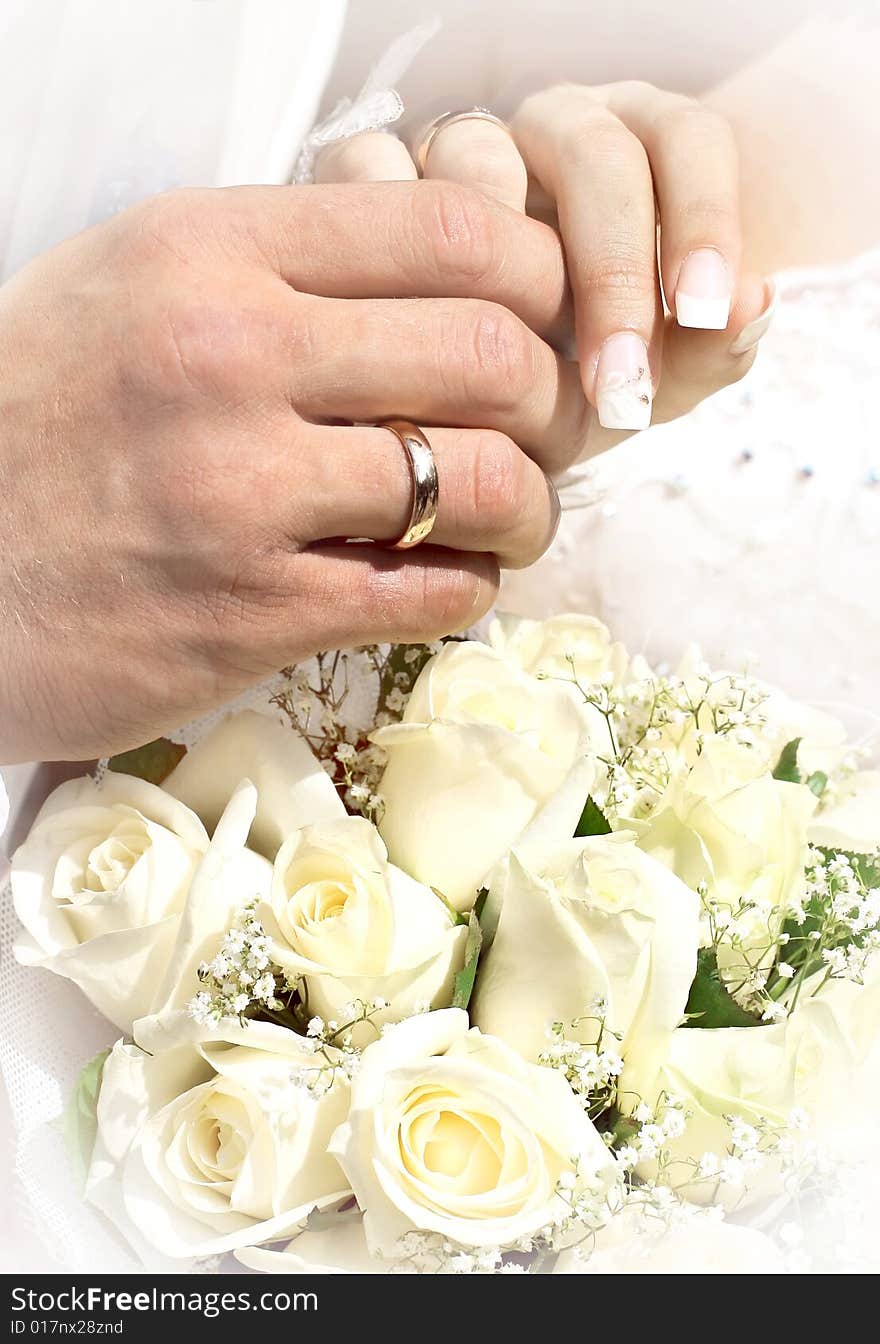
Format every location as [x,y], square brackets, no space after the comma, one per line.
[752,527]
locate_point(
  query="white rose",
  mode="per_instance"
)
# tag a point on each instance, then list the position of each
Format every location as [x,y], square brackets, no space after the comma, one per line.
[99,885]
[852,820]
[331,1243]
[586,920]
[483,751]
[822,737]
[293,789]
[560,645]
[769,720]
[357,928]
[229,875]
[747,1072]
[834,1034]
[634,1241]
[638,1242]
[727,822]
[760,1075]
[778,719]
[213,1140]
[452,1132]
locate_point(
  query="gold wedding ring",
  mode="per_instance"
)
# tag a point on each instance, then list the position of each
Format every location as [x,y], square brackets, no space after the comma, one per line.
[449,119]
[425,485]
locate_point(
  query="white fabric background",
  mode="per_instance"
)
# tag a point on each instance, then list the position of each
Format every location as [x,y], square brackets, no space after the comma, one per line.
[103,103]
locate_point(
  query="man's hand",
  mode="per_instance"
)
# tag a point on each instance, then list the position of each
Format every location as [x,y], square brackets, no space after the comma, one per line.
[182,392]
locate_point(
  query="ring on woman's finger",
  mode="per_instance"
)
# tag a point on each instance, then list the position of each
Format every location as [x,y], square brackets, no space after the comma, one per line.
[425,484]
[449,119]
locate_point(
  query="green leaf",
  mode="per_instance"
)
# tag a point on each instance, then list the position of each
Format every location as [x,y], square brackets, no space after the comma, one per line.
[488,905]
[455,915]
[787,766]
[709,1004]
[867,867]
[593,821]
[153,762]
[464,980]
[817,782]
[80,1118]
[624,1128]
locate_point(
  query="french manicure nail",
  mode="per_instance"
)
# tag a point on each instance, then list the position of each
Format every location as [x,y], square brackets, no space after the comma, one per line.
[623,383]
[702,295]
[750,335]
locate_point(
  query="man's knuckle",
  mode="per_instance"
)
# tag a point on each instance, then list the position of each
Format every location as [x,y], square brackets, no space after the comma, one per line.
[199,489]
[459,228]
[499,485]
[169,224]
[501,353]
[202,346]
[447,597]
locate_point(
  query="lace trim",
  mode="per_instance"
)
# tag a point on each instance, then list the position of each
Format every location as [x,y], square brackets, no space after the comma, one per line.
[376,107]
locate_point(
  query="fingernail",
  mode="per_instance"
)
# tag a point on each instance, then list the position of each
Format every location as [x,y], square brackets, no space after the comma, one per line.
[750,335]
[702,296]
[623,383]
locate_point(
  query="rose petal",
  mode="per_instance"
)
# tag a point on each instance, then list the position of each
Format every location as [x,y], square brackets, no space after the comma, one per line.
[293,789]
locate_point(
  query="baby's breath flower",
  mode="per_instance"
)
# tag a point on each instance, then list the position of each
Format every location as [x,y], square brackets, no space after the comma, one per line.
[239,975]
[673,1124]
[709,1165]
[732,1171]
[200,1009]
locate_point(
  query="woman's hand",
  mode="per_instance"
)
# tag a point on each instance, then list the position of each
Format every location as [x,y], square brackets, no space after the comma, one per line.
[602,164]
[178,461]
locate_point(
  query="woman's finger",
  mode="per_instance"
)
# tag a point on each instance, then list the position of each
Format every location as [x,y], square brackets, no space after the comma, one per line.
[372,156]
[479,153]
[697,364]
[492,498]
[460,362]
[598,173]
[693,160]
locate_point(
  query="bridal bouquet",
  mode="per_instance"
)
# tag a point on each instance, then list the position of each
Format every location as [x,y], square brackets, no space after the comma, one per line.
[509,956]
